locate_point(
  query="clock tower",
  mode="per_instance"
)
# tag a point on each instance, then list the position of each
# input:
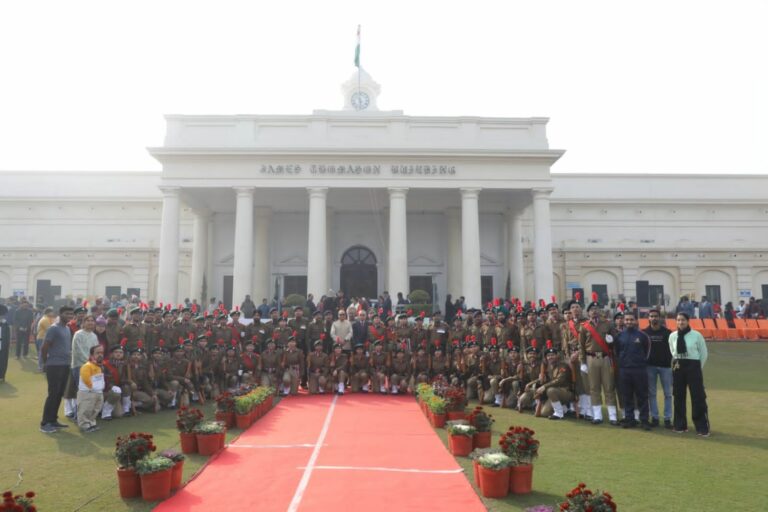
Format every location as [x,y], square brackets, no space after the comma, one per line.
[360,92]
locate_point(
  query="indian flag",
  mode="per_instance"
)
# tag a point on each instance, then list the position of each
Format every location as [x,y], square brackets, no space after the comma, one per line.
[357,48]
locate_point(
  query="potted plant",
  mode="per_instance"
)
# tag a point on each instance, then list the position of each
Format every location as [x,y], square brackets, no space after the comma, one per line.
[519,444]
[494,474]
[476,454]
[437,411]
[225,409]
[581,499]
[243,407]
[210,437]
[178,467]
[482,421]
[460,439]
[155,473]
[128,451]
[456,399]
[20,502]
[186,420]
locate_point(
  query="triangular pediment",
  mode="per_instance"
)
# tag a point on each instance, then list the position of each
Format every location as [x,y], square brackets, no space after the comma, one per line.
[294,260]
[487,260]
[422,260]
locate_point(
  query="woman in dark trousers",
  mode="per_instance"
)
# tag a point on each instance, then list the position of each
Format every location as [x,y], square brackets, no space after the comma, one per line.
[689,355]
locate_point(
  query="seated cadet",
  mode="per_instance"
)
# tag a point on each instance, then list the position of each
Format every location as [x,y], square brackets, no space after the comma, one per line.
[271,361]
[230,367]
[204,369]
[179,375]
[359,369]
[471,370]
[158,375]
[530,378]
[558,386]
[440,363]
[400,379]
[250,362]
[420,367]
[117,393]
[339,368]
[318,369]
[511,373]
[293,367]
[142,393]
[379,364]
[490,376]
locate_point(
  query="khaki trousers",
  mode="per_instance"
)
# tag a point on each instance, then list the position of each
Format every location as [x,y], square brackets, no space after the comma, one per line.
[601,381]
[317,382]
[358,380]
[378,379]
[89,405]
[561,395]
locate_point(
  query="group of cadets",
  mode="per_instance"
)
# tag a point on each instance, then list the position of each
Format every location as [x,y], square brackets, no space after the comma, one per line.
[547,359]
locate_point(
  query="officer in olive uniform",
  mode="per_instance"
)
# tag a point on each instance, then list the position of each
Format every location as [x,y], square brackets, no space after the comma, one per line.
[401,372]
[471,370]
[531,378]
[511,375]
[379,364]
[271,365]
[179,375]
[490,376]
[293,367]
[250,363]
[557,386]
[318,369]
[339,368]
[595,358]
[143,395]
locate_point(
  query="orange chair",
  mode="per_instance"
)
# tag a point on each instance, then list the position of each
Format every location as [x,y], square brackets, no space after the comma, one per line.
[728,333]
[744,330]
[642,323]
[698,325]
[671,324]
[762,328]
[719,334]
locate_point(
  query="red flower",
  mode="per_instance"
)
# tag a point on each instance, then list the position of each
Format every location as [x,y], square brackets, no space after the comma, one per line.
[30,494]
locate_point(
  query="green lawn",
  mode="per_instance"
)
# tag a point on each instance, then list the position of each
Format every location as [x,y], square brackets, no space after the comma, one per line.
[644,471]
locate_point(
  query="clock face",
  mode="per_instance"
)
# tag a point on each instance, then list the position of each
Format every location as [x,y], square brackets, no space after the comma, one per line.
[360,100]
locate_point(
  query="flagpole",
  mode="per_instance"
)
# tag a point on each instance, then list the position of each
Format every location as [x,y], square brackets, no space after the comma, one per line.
[359,98]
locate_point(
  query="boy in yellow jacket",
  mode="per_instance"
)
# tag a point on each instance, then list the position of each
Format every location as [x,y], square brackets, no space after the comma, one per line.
[90,391]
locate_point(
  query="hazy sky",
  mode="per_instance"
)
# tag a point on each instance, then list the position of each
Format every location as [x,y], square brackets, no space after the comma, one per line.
[629,86]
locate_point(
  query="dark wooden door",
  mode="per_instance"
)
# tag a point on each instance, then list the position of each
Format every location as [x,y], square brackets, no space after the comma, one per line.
[359,275]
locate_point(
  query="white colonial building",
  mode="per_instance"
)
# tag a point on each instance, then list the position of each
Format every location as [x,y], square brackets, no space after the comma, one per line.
[366,200]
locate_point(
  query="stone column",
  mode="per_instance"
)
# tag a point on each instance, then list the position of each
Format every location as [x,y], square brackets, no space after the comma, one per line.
[242,272]
[317,249]
[542,246]
[168,259]
[516,265]
[261,264]
[470,248]
[453,219]
[199,256]
[398,243]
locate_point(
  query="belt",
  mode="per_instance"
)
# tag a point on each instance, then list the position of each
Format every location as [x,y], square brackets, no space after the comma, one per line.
[598,355]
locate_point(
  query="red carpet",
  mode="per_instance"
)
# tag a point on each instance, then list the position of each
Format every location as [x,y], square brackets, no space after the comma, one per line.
[375,453]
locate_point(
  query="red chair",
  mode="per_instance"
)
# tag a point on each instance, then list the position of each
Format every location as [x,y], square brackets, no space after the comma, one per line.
[671,324]
[731,333]
[642,323]
[698,325]
[718,332]
[744,330]
[762,328]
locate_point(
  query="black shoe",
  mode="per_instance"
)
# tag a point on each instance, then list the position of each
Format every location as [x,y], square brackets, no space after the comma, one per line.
[48,429]
[615,423]
[647,426]
[59,425]
[106,418]
[570,414]
[597,422]
[628,424]
[668,424]
[553,417]
[655,422]
[70,416]
[494,404]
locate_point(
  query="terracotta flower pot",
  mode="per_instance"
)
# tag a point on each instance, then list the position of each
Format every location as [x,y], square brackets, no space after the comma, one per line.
[129,483]
[460,445]
[476,471]
[176,475]
[456,415]
[230,419]
[481,440]
[494,483]
[188,442]
[438,420]
[243,421]
[208,444]
[222,439]
[521,479]
[156,486]
[222,416]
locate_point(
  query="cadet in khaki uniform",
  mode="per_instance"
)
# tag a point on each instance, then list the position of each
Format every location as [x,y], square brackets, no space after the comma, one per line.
[359,370]
[420,337]
[511,374]
[270,365]
[457,332]
[402,334]
[316,330]
[230,367]
[298,325]
[142,393]
[400,379]
[440,364]
[318,368]
[250,362]
[158,376]
[556,389]
[179,375]
[293,367]
[420,362]
[205,362]
[339,368]
[380,363]
[571,332]
[596,361]
[531,378]
[490,376]
[282,333]
[223,332]
[471,370]
[132,330]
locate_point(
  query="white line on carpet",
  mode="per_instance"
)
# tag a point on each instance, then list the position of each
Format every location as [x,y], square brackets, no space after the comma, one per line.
[299,494]
[306,445]
[395,470]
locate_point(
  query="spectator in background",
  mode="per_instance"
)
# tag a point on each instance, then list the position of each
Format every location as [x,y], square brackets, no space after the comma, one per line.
[5,341]
[23,326]
[717,310]
[47,320]
[450,309]
[264,308]
[686,306]
[310,304]
[247,307]
[740,309]
[401,299]
[387,305]
[705,308]
[729,315]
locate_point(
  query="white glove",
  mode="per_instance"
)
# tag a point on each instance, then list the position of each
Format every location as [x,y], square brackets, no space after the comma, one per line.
[608,338]
[116,389]
[584,368]
[240,373]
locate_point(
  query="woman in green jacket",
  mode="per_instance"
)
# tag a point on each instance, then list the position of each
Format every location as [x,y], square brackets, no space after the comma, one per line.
[689,354]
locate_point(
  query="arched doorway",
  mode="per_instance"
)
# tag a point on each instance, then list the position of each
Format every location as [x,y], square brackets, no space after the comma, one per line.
[359,277]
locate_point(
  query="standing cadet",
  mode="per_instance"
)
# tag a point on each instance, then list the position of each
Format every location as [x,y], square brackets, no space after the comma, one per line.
[318,368]
[316,331]
[402,333]
[596,360]
[571,345]
[420,337]
[438,330]
[457,332]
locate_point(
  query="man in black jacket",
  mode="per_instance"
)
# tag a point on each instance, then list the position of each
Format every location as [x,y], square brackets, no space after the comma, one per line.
[360,329]
[632,348]
[659,366]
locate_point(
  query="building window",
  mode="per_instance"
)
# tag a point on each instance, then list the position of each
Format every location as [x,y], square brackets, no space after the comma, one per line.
[712,291]
[113,291]
[602,293]
[486,289]
[295,285]
[765,291]
[656,294]
[423,283]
